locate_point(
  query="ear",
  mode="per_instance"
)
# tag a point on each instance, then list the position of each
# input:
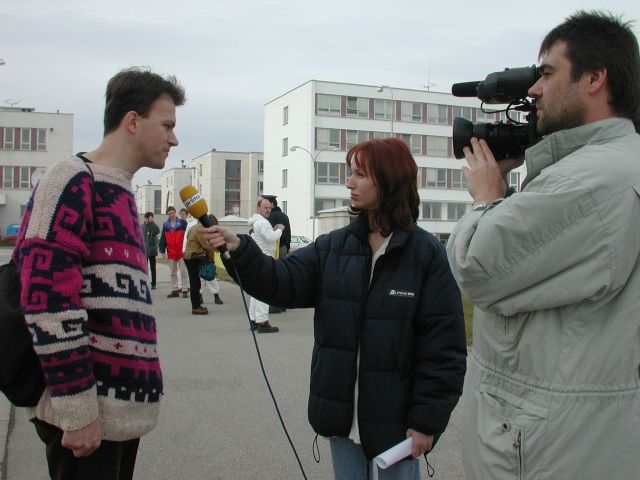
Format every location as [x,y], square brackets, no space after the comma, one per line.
[130,121]
[597,80]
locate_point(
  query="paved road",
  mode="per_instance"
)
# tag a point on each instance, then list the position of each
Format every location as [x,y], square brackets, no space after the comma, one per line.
[217,419]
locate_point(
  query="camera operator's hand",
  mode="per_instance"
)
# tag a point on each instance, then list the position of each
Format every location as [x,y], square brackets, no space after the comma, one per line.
[484,175]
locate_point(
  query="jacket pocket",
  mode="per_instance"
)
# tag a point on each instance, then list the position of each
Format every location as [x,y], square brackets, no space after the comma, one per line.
[512,432]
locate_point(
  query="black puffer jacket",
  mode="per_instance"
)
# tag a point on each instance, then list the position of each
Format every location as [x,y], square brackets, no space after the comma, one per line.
[408,325]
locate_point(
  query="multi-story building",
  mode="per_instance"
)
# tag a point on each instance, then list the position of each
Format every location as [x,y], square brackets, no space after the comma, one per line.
[30,142]
[230,183]
[309,129]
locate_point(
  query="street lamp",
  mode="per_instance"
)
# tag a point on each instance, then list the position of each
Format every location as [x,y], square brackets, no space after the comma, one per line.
[380,89]
[314,159]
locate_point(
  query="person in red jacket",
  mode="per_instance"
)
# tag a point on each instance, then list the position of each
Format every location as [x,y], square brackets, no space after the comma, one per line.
[173,231]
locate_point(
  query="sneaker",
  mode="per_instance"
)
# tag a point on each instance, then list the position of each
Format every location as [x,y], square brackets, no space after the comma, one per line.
[185,294]
[253,324]
[200,310]
[218,301]
[174,294]
[264,327]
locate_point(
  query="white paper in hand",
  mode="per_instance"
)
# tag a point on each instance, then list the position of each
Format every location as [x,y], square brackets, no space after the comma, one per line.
[394,454]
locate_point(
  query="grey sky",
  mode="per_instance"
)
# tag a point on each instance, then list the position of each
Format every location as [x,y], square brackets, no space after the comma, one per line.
[233,56]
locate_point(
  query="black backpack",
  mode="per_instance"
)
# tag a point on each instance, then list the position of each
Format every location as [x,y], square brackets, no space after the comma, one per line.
[21,378]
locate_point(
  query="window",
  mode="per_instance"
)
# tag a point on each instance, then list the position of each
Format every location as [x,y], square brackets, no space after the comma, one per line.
[7,176]
[356,136]
[157,201]
[8,138]
[232,187]
[414,142]
[378,135]
[329,105]
[285,175]
[25,139]
[464,112]
[514,179]
[327,138]
[285,115]
[437,114]
[437,146]
[285,147]
[483,117]
[260,167]
[431,211]
[455,211]
[260,188]
[357,107]
[328,173]
[457,179]
[284,206]
[410,112]
[42,139]
[382,109]
[436,178]
[25,177]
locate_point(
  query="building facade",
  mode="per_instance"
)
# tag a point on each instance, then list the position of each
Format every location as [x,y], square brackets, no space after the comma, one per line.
[30,142]
[230,183]
[309,129]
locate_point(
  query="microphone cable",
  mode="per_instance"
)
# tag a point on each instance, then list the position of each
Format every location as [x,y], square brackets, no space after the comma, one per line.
[236,277]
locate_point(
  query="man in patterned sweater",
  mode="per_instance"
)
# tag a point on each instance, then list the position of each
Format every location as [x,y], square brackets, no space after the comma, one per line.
[85,289]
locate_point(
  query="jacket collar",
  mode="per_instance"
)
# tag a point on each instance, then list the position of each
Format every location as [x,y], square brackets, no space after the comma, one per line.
[553,148]
[360,229]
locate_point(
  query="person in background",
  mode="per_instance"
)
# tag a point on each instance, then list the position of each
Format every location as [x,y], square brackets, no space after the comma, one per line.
[171,242]
[197,251]
[389,352]
[83,270]
[553,387]
[265,236]
[212,285]
[150,232]
[278,217]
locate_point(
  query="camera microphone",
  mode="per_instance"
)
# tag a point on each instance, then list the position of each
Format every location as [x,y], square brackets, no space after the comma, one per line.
[465,89]
[197,207]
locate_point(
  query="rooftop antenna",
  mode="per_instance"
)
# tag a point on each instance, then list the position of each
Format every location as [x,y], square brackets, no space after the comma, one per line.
[429,83]
[11,102]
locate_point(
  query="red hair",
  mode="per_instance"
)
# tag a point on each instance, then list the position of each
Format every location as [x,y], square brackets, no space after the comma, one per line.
[393,170]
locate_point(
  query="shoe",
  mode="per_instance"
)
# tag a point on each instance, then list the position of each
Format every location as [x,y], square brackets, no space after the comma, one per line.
[275,309]
[253,325]
[174,294]
[185,294]
[153,287]
[264,327]
[200,310]
[218,301]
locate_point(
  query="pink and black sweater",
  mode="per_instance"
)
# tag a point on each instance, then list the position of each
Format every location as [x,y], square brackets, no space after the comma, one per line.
[87,301]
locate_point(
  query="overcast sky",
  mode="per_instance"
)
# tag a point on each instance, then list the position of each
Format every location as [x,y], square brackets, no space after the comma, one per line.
[233,56]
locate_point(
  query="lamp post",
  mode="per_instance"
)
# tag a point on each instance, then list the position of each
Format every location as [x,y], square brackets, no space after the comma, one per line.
[314,159]
[380,89]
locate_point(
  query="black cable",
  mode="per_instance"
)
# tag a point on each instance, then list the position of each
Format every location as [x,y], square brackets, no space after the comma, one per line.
[264,373]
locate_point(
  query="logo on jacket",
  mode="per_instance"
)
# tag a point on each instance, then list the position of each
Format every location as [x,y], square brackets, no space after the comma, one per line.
[401,293]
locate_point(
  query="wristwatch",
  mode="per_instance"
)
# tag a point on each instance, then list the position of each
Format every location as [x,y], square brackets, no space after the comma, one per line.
[482,206]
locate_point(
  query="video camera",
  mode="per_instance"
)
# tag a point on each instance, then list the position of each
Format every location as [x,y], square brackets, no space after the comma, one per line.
[506,140]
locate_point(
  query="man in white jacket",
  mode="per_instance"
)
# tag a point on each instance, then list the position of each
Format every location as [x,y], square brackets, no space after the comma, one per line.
[266,237]
[552,390]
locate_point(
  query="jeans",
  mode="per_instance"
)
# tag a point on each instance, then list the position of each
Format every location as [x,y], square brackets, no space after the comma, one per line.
[350,463]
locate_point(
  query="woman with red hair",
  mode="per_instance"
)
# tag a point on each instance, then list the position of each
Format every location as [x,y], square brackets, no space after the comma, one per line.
[390,353]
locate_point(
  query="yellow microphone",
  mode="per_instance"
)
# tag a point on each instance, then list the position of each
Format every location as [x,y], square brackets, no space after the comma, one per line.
[197,207]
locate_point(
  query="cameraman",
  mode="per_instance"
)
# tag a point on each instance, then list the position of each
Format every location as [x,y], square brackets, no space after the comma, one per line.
[552,389]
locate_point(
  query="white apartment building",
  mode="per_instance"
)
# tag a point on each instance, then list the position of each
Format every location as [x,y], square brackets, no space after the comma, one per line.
[316,123]
[30,142]
[230,183]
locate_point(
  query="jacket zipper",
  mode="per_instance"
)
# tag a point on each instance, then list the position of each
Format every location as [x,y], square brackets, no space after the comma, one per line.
[518,446]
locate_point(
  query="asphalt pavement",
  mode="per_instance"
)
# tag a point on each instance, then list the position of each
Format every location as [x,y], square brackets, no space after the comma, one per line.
[217,419]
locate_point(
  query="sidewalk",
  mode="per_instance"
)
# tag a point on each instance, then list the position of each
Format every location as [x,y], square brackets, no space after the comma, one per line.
[217,419]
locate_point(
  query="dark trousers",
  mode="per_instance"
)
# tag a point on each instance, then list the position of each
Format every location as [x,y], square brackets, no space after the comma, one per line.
[112,461]
[193,269]
[152,270]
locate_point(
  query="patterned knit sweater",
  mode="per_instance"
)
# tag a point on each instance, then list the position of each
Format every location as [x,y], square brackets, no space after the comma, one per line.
[87,301]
